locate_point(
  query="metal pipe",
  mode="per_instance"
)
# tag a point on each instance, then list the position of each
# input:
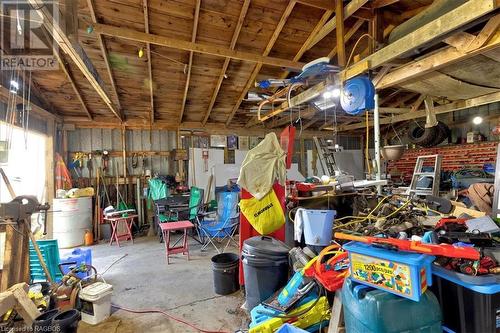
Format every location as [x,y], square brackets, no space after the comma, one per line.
[376,132]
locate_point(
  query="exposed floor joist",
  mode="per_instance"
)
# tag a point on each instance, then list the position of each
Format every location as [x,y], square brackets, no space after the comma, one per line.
[190,62]
[189,46]
[234,39]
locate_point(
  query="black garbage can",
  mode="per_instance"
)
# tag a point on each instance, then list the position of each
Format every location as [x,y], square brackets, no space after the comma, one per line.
[265,267]
[225,267]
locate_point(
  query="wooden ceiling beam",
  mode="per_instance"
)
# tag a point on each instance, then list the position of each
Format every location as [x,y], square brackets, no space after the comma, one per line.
[349,9]
[339,33]
[321,4]
[222,75]
[441,109]
[71,80]
[104,51]
[36,109]
[145,9]
[445,24]
[214,50]
[190,62]
[433,62]
[256,70]
[382,3]
[303,49]
[84,65]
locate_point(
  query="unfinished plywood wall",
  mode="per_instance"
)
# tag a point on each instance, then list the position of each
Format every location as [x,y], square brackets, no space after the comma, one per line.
[148,147]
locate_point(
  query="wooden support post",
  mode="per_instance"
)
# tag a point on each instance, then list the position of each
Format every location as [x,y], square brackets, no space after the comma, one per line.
[49,173]
[339,15]
[124,158]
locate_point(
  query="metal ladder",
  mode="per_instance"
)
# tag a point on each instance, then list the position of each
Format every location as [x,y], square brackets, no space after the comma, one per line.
[326,157]
[418,173]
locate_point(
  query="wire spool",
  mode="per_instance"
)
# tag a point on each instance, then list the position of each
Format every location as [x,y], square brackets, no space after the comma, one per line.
[357,95]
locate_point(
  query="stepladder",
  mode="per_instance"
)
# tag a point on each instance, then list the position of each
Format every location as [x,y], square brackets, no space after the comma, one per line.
[426,176]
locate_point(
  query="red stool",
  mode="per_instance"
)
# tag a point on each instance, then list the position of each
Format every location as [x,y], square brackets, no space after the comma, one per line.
[173,226]
[115,222]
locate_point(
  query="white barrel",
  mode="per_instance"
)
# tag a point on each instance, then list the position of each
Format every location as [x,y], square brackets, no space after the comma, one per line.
[71,218]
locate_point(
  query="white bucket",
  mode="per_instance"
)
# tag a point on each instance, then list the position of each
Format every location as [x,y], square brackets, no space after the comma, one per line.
[318,225]
[96,302]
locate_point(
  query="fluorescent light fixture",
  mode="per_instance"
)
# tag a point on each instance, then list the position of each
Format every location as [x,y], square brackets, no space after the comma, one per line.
[327,94]
[14,85]
[477,120]
[324,103]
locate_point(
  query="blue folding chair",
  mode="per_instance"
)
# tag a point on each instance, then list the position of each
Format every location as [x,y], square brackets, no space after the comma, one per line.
[223,226]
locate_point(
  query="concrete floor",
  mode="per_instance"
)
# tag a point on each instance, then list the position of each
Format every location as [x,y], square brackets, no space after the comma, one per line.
[184,289]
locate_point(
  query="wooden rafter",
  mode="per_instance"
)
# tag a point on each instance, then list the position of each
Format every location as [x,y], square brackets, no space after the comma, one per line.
[309,123]
[65,44]
[104,51]
[333,52]
[339,32]
[441,109]
[269,46]
[382,3]
[145,9]
[349,9]
[448,22]
[435,61]
[189,46]
[322,4]
[71,80]
[236,34]
[190,62]
[303,49]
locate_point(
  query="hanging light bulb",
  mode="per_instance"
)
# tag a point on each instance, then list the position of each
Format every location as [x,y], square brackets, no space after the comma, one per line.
[141,52]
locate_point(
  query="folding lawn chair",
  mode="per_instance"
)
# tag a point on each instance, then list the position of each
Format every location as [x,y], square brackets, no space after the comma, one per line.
[215,230]
[191,212]
[158,193]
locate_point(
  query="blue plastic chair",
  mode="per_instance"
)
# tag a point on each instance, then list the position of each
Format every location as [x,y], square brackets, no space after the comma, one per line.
[215,230]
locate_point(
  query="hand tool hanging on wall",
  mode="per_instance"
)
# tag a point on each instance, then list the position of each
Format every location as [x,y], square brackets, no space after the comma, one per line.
[90,165]
[105,160]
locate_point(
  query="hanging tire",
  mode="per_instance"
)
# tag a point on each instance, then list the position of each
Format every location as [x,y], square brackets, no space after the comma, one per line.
[422,136]
[443,133]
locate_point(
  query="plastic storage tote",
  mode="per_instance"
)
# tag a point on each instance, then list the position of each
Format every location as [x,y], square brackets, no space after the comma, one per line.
[373,310]
[401,273]
[96,302]
[469,303]
[80,256]
[318,226]
[287,328]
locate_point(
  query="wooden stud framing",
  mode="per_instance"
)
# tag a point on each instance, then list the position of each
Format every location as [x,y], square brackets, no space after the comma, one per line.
[190,62]
[256,70]
[189,46]
[322,4]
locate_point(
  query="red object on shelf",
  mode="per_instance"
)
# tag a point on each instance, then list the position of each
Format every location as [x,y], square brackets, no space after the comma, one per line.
[287,142]
[246,229]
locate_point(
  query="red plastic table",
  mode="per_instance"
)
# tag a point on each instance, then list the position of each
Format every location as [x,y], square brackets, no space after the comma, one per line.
[166,227]
[115,222]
